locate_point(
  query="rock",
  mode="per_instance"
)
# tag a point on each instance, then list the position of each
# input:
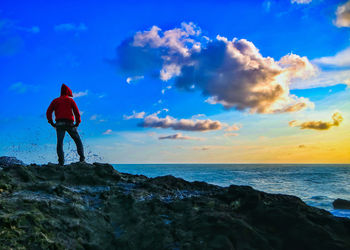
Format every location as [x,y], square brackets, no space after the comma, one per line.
[341,204]
[7,160]
[93,206]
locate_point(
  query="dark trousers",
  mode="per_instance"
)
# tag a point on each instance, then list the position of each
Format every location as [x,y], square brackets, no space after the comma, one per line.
[61,128]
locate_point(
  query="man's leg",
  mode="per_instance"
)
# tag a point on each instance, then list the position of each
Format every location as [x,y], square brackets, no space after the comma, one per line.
[73,132]
[60,136]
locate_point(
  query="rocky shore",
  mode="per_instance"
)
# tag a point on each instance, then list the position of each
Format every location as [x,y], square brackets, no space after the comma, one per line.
[93,206]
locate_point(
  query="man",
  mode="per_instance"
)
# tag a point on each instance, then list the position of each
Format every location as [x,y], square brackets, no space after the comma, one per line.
[64,108]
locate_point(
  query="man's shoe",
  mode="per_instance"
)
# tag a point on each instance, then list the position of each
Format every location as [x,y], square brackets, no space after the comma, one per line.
[82,159]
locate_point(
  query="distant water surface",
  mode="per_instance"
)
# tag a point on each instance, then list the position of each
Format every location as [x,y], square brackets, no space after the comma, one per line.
[317,185]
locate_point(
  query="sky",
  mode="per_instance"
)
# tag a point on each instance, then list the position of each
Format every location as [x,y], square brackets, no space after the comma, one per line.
[179,81]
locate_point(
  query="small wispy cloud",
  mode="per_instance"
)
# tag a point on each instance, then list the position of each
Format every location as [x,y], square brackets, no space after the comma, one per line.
[198,116]
[135,115]
[33,29]
[202,148]
[231,134]
[67,27]
[8,24]
[267,5]
[165,89]
[318,125]
[21,88]
[108,132]
[324,78]
[80,94]
[179,136]
[133,79]
[97,117]
[301,1]
[342,58]
[209,147]
[234,127]
[347,82]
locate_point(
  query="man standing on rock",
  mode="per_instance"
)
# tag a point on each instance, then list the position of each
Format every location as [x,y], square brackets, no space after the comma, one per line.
[64,108]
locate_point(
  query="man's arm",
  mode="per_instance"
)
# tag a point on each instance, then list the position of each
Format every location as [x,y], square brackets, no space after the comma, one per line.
[49,112]
[76,113]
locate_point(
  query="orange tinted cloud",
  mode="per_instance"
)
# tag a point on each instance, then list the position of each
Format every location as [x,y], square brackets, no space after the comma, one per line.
[318,125]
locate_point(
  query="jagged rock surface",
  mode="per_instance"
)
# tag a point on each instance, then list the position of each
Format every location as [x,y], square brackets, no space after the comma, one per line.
[93,206]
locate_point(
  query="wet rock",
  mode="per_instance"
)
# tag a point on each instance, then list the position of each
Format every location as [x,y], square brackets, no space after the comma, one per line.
[93,206]
[341,204]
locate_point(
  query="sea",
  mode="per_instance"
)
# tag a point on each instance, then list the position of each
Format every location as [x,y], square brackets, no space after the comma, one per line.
[317,185]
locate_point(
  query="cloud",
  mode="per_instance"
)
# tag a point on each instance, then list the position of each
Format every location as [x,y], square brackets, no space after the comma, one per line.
[135,115]
[80,94]
[165,89]
[325,78]
[179,136]
[347,82]
[67,27]
[318,125]
[267,5]
[231,134]
[234,127]
[343,15]
[7,25]
[342,58]
[133,79]
[22,88]
[33,29]
[197,116]
[97,117]
[153,121]
[209,147]
[11,41]
[301,1]
[108,132]
[231,73]
[202,148]
[175,40]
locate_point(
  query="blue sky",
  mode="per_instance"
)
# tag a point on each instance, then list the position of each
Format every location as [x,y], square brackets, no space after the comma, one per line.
[88,44]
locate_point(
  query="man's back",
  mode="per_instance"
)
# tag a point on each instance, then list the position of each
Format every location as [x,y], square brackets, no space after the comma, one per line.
[64,107]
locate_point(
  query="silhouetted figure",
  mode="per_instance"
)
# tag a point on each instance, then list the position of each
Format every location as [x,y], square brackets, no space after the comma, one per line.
[64,108]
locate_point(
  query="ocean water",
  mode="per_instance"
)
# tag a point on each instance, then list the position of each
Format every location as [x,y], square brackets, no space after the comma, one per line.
[317,185]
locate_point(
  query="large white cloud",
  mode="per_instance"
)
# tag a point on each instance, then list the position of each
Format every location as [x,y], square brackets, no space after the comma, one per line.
[343,15]
[230,72]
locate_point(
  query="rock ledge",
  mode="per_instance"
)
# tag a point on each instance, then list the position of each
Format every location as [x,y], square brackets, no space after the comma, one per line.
[93,206]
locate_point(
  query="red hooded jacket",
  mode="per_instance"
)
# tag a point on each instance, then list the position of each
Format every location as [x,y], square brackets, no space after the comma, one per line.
[64,107]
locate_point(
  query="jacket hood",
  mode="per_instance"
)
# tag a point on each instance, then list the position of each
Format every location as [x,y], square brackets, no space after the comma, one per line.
[65,90]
